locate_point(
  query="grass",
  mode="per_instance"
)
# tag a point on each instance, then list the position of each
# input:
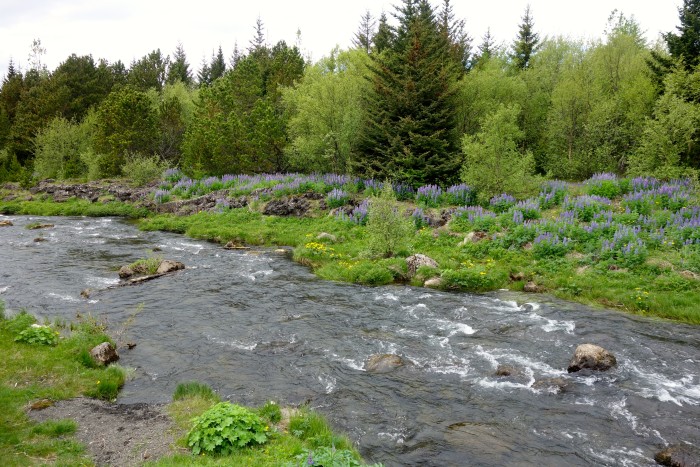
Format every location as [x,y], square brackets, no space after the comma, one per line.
[41,374]
[72,207]
[303,431]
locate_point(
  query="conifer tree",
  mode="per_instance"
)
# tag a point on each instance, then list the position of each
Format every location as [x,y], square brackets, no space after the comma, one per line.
[686,44]
[179,69]
[204,74]
[217,66]
[384,36]
[453,30]
[526,43]
[365,33]
[409,129]
[486,49]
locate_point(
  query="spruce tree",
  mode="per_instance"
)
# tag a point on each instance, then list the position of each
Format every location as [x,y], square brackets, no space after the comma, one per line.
[204,74]
[686,44]
[409,132]
[453,31]
[526,43]
[217,66]
[486,49]
[179,69]
[384,36]
[365,33]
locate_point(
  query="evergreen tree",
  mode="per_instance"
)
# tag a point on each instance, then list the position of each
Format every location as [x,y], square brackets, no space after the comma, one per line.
[235,56]
[149,72]
[384,36]
[204,74]
[453,31]
[179,69]
[365,33]
[686,44]
[409,129]
[486,49]
[258,41]
[217,66]
[526,43]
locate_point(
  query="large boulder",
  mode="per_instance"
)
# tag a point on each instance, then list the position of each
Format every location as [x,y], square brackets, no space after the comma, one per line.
[168,265]
[104,354]
[125,272]
[383,363]
[416,262]
[592,357]
[679,455]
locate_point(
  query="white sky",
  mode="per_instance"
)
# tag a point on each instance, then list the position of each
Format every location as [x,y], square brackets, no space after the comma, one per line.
[129,29]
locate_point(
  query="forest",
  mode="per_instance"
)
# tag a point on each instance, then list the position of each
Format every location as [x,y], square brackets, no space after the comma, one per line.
[416,100]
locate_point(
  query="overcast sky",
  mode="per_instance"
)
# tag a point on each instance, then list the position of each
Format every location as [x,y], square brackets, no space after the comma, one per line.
[128,29]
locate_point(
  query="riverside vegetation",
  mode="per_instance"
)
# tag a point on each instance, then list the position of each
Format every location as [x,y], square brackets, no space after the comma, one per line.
[51,362]
[631,244]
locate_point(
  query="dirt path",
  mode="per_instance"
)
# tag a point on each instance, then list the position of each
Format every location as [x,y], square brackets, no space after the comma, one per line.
[116,434]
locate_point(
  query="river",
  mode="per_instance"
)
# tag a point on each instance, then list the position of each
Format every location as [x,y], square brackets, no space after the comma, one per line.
[256,327]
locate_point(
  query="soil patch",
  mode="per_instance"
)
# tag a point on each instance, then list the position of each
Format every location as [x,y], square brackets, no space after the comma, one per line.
[117,434]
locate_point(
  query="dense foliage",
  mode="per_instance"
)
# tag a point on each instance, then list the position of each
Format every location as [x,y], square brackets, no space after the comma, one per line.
[413,101]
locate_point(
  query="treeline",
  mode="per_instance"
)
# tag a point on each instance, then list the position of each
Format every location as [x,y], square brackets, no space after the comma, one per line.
[414,100]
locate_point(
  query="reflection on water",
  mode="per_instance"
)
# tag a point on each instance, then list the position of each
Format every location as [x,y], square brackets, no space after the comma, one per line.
[258,327]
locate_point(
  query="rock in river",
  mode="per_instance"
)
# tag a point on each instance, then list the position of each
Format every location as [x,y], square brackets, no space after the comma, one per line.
[383,363]
[104,354]
[591,357]
[168,265]
[679,455]
[415,262]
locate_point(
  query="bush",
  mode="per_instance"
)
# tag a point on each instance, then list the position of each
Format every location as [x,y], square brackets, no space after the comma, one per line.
[93,162]
[194,389]
[477,278]
[38,334]
[271,412]
[326,456]
[224,428]
[58,148]
[142,170]
[387,229]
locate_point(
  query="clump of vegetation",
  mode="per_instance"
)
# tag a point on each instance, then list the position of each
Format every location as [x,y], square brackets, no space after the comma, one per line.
[147,266]
[38,334]
[142,170]
[193,389]
[226,427]
[387,229]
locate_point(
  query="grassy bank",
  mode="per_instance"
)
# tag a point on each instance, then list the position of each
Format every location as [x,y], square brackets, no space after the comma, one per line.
[48,364]
[628,244]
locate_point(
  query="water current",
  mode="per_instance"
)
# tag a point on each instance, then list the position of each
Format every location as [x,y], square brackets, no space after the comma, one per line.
[257,327]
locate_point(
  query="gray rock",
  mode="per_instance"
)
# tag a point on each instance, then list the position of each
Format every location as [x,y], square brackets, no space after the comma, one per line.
[592,357]
[104,354]
[507,370]
[168,265]
[417,261]
[125,272]
[383,363]
[434,283]
[555,385]
[327,236]
[292,206]
[532,287]
[6,223]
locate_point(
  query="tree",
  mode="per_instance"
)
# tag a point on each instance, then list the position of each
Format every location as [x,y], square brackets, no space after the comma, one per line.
[493,164]
[204,74]
[387,229]
[409,130]
[258,41]
[454,34]
[685,45]
[58,149]
[526,43]
[149,72]
[384,36]
[125,124]
[365,33]
[179,69]
[83,84]
[217,66]
[486,49]
[36,52]
[326,113]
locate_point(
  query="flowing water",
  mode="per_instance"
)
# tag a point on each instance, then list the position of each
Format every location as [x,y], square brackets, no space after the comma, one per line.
[257,327]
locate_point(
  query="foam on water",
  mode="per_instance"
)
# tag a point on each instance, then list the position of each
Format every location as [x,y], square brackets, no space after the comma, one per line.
[387,296]
[232,343]
[66,298]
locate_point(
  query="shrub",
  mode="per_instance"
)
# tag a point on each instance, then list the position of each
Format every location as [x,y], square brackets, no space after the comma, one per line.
[548,245]
[326,456]
[20,322]
[194,389]
[477,278]
[387,229]
[224,428]
[142,170]
[58,147]
[502,202]
[94,162]
[603,184]
[271,412]
[38,334]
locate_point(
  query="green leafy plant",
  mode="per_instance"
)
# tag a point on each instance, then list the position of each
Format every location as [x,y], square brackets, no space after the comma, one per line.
[142,170]
[271,412]
[38,334]
[326,456]
[224,428]
[387,229]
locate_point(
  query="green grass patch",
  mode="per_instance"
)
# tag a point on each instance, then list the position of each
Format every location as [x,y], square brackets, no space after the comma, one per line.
[73,207]
[33,372]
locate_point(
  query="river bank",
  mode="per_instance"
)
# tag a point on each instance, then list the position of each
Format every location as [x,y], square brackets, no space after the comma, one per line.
[474,250]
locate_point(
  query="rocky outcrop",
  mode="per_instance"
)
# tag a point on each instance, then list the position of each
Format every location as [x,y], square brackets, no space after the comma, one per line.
[383,363]
[104,354]
[418,261]
[209,202]
[679,455]
[164,267]
[290,206]
[591,357]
